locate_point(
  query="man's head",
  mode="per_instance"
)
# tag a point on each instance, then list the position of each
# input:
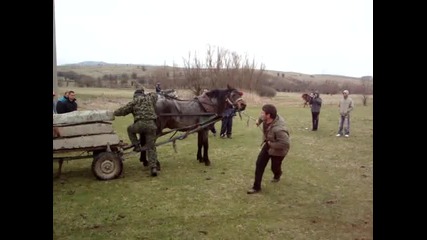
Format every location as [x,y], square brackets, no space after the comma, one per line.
[316,93]
[138,92]
[345,93]
[71,95]
[269,112]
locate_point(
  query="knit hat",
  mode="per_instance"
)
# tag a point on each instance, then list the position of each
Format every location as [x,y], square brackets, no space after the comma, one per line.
[138,92]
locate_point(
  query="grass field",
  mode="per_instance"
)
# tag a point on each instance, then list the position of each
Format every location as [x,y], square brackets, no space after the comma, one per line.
[326,191]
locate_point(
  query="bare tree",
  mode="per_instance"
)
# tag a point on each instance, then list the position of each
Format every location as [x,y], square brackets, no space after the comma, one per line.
[221,67]
[366,88]
[193,74]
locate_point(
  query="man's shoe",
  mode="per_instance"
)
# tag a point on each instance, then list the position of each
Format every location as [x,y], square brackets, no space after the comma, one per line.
[338,135]
[252,191]
[275,180]
[346,135]
[154,172]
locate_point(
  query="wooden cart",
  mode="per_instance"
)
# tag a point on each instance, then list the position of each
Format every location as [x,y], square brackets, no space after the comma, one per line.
[91,133]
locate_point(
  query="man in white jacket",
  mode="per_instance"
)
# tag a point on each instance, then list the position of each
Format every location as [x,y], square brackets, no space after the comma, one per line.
[345,107]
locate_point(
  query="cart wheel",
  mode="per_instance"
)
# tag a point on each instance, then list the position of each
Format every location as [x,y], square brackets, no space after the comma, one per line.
[106,166]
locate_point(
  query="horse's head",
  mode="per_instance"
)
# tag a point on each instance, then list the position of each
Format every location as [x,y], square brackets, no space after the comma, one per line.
[226,98]
[235,99]
[306,97]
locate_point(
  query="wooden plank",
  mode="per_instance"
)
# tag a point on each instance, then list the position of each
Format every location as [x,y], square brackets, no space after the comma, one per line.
[79,117]
[85,129]
[85,141]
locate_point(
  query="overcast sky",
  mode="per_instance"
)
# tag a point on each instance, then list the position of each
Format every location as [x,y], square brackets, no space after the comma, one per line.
[306,36]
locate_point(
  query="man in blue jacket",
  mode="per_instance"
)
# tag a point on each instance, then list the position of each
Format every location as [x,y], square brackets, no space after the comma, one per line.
[227,122]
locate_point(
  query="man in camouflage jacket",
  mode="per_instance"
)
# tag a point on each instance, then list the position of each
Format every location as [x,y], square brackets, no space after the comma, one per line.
[143,109]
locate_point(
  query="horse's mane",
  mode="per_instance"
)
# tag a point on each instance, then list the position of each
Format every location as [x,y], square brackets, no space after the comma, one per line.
[219,94]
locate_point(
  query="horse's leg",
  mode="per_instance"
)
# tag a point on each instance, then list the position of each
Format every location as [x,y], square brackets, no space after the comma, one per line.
[199,145]
[205,143]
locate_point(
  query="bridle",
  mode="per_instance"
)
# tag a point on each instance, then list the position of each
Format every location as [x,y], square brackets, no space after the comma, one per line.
[237,103]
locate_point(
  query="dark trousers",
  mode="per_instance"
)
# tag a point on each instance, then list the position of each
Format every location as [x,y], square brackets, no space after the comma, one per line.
[261,163]
[315,119]
[226,126]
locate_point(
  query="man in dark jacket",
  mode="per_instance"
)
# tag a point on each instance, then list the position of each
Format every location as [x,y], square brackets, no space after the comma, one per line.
[54,104]
[227,123]
[143,109]
[68,105]
[315,105]
[276,145]
[158,88]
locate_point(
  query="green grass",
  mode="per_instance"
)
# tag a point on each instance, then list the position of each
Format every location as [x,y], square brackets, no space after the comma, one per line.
[326,191]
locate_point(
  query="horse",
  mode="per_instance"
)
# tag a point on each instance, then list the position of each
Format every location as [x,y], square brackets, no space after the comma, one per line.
[168,93]
[198,115]
[307,98]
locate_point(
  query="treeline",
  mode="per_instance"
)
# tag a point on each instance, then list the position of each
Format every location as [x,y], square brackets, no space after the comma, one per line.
[219,68]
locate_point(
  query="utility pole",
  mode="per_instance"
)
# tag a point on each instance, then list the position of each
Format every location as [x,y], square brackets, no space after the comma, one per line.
[55,77]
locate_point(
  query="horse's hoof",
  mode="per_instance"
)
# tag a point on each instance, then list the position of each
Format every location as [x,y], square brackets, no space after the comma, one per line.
[207,163]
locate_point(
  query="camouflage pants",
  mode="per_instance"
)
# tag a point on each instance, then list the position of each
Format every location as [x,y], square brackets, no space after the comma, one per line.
[147,129]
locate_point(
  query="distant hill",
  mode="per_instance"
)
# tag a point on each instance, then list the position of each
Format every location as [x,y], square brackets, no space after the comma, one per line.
[86,63]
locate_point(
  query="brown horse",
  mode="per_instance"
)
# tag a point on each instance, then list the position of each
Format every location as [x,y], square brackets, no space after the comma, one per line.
[188,115]
[307,98]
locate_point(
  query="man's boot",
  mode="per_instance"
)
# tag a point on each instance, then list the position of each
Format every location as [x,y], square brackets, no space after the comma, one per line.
[154,171]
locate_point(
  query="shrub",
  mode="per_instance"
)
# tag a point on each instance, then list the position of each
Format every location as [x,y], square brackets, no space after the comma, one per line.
[265,91]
